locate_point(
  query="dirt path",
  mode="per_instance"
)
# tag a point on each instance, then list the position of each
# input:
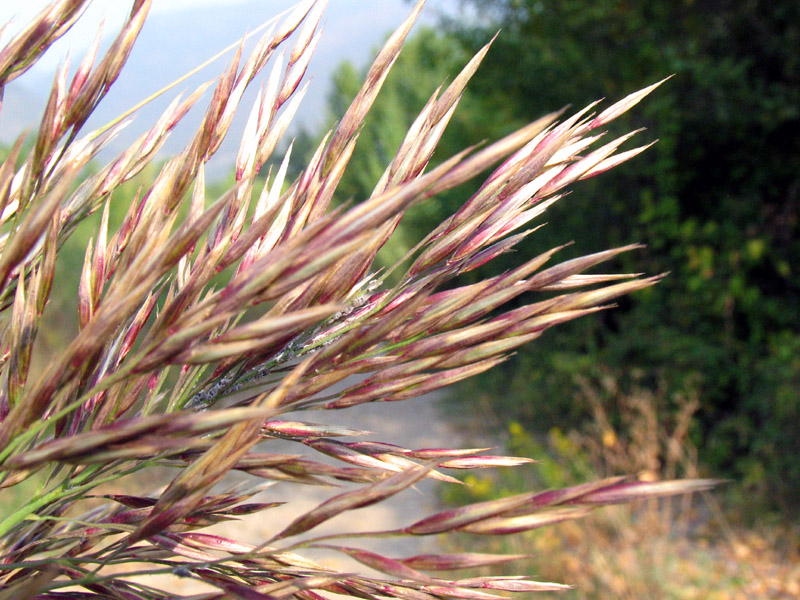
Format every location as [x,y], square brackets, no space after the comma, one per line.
[416,423]
[412,424]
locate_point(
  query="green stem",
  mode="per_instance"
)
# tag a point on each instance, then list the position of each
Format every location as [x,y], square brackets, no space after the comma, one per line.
[67,488]
[35,428]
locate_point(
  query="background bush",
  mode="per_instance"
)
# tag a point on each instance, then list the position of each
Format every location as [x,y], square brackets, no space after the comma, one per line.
[716,200]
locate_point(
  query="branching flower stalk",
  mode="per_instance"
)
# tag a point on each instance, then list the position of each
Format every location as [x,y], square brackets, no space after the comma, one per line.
[165,369]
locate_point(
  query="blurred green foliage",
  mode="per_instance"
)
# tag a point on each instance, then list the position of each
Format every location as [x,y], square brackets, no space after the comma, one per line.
[715,200]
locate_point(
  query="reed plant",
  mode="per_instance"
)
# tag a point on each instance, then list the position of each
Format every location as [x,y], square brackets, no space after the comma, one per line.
[204,323]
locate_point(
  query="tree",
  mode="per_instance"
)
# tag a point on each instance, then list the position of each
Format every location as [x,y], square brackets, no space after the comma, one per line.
[716,200]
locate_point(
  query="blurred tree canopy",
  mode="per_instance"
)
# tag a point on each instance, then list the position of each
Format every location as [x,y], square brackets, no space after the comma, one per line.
[716,200]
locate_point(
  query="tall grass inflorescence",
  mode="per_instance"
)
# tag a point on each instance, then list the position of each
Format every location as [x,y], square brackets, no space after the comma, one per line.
[203,324]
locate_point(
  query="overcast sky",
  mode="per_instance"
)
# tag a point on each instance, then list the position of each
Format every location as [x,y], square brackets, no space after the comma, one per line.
[25,9]
[385,16]
[111,13]
[354,29]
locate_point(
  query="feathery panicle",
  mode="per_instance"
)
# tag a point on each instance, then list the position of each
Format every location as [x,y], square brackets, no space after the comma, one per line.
[202,323]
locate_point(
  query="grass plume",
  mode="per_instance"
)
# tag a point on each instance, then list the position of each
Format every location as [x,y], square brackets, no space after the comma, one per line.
[204,324]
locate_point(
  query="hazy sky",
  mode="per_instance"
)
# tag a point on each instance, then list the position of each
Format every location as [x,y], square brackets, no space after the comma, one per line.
[371,19]
[111,13]
[116,9]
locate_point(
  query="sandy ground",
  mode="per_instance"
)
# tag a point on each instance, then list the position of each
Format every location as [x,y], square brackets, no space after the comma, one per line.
[411,424]
[416,423]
